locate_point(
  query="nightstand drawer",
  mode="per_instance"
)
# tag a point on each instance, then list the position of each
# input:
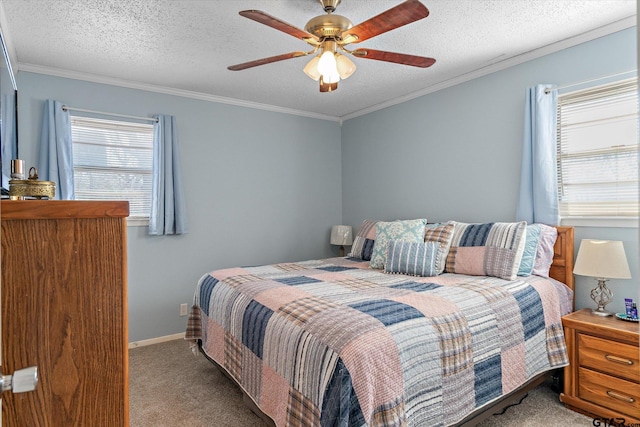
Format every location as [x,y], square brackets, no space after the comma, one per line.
[612,357]
[609,392]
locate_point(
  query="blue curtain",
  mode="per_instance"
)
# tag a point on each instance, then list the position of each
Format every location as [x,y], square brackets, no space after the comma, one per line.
[56,154]
[9,141]
[168,211]
[538,201]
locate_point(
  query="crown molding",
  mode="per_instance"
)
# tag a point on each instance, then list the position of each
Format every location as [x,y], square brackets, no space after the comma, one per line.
[614,27]
[94,78]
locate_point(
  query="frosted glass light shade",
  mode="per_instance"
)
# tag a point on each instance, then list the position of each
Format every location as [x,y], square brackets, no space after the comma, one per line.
[311,69]
[345,66]
[328,68]
[341,235]
[602,259]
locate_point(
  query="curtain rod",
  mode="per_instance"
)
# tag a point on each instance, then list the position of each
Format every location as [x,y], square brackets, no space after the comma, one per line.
[67,108]
[590,81]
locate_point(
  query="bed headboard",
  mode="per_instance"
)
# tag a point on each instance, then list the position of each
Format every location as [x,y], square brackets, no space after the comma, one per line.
[562,267]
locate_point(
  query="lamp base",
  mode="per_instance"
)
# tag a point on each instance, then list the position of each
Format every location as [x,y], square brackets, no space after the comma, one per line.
[601,295]
[601,313]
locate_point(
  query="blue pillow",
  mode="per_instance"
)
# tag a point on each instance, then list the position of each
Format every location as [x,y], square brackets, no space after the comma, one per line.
[413,258]
[530,249]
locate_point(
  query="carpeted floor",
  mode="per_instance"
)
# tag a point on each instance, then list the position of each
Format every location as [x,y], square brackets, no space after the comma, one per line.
[170,386]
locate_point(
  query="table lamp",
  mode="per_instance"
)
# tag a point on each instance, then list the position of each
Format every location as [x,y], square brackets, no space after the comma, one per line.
[341,235]
[602,260]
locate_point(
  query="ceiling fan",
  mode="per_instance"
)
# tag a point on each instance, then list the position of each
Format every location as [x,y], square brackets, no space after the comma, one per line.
[330,34]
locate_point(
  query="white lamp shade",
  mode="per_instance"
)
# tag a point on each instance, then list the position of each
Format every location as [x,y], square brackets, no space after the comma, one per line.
[602,259]
[341,235]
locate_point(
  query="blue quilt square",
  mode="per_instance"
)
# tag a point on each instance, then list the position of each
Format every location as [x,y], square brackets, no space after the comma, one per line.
[206,288]
[254,323]
[335,268]
[388,312]
[530,309]
[415,286]
[488,379]
[297,280]
[340,405]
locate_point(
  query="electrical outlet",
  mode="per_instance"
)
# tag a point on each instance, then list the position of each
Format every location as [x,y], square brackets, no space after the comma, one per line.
[183,309]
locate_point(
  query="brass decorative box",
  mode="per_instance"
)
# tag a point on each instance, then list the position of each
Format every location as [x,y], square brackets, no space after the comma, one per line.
[31,187]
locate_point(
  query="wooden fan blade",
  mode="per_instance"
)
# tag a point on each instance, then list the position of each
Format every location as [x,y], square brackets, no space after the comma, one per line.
[403,14]
[264,61]
[398,58]
[280,25]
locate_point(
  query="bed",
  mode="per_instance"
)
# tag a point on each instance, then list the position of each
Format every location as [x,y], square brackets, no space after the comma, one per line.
[337,342]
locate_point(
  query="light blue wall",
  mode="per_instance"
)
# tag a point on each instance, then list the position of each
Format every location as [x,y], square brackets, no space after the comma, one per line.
[261,187]
[266,187]
[455,153]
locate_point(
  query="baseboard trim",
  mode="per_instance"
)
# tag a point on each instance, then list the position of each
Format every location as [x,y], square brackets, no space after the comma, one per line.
[157,340]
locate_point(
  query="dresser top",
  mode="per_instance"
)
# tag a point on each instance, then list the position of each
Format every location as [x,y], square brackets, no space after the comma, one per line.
[60,209]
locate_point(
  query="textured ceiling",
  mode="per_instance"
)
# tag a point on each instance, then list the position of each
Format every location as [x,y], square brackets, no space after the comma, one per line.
[185,46]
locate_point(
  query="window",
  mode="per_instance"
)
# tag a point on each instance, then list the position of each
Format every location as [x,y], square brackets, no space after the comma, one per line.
[598,152]
[112,160]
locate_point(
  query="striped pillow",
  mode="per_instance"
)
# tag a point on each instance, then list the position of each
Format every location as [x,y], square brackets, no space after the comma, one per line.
[440,234]
[491,249]
[363,242]
[413,258]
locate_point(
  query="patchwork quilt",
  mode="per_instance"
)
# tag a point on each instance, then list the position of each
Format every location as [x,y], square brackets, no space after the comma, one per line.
[334,342]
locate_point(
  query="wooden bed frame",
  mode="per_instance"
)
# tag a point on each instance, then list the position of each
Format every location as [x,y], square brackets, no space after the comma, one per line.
[562,267]
[561,270]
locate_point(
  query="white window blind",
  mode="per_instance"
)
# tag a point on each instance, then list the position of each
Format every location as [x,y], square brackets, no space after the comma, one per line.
[112,160]
[598,151]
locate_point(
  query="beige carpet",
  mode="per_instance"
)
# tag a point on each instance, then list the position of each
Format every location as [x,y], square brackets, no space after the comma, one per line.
[170,386]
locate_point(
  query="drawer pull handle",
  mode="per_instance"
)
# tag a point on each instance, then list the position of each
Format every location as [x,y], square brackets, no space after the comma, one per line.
[616,359]
[620,396]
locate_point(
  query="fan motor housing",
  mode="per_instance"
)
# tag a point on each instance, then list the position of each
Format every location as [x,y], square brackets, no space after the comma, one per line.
[328,26]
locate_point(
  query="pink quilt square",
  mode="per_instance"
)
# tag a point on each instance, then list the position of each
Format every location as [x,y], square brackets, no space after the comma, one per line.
[274,395]
[376,375]
[514,371]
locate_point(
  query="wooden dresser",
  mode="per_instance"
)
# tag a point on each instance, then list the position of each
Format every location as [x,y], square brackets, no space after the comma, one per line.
[64,310]
[603,378]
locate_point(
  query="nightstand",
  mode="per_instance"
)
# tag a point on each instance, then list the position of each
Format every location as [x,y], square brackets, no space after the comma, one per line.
[603,378]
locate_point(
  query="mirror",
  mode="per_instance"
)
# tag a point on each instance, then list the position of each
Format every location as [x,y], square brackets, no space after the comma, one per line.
[8,116]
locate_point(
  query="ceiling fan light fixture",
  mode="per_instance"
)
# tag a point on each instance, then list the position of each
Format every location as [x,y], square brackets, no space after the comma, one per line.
[345,66]
[311,69]
[330,33]
[328,67]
